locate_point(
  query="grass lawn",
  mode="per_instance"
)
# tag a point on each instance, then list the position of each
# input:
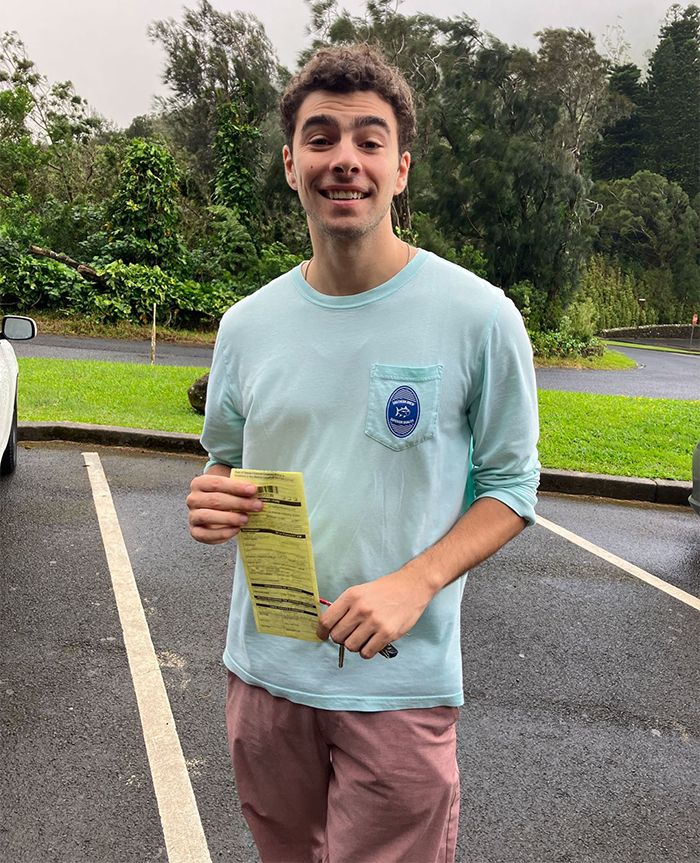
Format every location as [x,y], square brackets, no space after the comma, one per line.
[118,394]
[627,436]
[651,438]
[609,360]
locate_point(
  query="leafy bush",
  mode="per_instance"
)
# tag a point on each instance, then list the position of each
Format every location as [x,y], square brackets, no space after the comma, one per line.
[19,224]
[581,319]
[275,260]
[225,251]
[549,343]
[530,302]
[132,289]
[28,283]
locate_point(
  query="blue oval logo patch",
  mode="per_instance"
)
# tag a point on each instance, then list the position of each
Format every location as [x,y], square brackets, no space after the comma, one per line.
[402,411]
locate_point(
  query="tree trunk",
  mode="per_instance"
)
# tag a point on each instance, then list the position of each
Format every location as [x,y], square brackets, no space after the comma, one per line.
[401,211]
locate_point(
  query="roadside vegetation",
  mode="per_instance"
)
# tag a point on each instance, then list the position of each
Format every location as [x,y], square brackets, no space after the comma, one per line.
[609,360]
[651,438]
[565,175]
[64,325]
[650,347]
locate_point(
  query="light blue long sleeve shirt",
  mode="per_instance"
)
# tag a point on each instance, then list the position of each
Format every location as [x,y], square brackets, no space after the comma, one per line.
[401,406]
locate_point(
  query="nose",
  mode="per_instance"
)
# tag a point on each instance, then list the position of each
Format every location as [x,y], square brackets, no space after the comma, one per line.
[345,159]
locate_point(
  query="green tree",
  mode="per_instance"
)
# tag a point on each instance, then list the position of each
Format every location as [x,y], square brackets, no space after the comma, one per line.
[213,59]
[143,214]
[621,148]
[19,156]
[501,136]
[673,112]
[573,75]
[237,185]
[502,177]
[59,120]
[648,223]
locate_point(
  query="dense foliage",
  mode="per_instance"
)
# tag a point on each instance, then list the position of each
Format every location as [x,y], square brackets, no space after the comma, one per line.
[565,176]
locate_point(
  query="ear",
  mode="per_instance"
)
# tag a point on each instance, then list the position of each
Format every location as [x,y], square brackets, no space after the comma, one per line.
[289,168]
[402,173]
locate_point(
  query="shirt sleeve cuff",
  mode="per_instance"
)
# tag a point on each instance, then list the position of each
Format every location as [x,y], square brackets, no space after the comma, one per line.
[524,508]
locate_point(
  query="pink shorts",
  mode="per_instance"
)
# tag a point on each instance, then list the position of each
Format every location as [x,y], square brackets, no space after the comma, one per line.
[325,786]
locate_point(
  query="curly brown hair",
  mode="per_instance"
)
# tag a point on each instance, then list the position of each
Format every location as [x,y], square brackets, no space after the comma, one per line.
[348,70]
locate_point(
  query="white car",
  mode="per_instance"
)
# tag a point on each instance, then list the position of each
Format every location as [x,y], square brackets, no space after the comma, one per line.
[18,328]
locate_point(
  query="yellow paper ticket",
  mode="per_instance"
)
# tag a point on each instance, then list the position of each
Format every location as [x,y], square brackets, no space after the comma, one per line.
[275,547]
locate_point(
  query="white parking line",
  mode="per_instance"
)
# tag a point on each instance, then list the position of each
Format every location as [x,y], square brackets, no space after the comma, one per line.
[182,827]
[630,568]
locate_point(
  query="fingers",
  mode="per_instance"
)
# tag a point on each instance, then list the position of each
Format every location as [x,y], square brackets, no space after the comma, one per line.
[222,501]
[211,518]
[213,527]
[213,536]
[210,491]
[330,619]
[366,637]
[224,484]
[373,646]
[366,641]
[218,506]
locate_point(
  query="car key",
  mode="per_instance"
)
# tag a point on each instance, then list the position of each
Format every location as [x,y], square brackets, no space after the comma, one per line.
[389,651]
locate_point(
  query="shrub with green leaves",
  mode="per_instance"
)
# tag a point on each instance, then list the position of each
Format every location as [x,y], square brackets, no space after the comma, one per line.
[143,213]
[549,343]
[530,302]
[132,289]
[28,283]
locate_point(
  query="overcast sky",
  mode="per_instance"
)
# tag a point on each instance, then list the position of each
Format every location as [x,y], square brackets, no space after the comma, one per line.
[103,48]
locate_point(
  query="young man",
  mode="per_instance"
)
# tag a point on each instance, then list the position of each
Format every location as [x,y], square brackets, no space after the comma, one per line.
[402,387]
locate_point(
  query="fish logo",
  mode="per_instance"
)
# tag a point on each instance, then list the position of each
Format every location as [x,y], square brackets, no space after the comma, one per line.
[402,411]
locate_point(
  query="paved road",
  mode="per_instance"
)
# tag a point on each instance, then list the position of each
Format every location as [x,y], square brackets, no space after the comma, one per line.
[674,344]
[579,739]
[112,350]
[659,375]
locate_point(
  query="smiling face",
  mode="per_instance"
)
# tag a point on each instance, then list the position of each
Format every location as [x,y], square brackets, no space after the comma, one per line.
[345,162]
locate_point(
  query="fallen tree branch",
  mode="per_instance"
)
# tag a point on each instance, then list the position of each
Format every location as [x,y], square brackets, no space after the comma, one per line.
[85,271]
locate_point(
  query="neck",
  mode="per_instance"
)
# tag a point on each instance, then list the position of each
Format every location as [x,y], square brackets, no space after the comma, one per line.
[343,267]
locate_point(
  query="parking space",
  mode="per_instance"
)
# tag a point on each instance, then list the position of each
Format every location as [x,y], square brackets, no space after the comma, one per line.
[579,739]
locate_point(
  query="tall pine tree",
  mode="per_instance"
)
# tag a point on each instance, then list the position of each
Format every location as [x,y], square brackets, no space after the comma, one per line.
[673,109]
[620,151]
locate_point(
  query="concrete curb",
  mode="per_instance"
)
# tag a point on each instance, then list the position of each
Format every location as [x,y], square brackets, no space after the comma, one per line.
[562,481]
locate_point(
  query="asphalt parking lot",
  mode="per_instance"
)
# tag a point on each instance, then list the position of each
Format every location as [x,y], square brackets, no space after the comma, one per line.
[579,741]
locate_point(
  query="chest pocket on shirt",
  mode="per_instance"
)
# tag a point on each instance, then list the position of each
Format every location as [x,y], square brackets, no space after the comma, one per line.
[403,404]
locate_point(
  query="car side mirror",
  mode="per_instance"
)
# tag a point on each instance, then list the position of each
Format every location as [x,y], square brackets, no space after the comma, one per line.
[17,328]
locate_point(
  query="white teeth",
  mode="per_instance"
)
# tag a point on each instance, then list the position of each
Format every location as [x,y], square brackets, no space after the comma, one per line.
[336,195]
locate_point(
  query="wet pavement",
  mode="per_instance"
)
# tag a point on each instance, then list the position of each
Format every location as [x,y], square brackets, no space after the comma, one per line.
[579,739]
[113,351]
[658,375]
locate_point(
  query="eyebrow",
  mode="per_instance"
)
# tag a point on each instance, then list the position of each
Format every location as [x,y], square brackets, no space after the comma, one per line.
[358,122]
